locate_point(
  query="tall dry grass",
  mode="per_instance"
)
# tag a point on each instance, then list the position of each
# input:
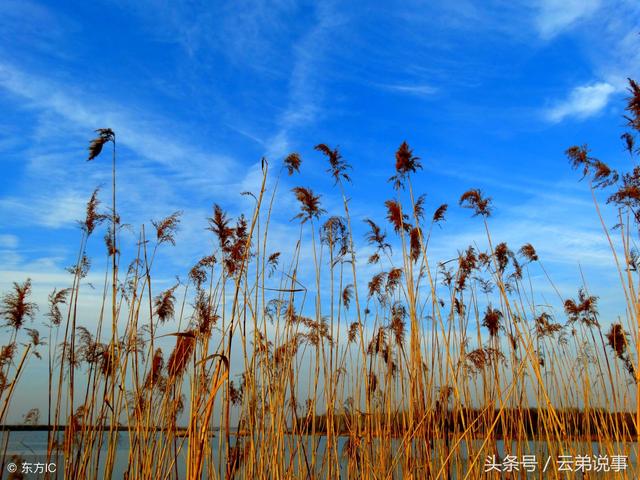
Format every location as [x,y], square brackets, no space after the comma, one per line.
[421,370]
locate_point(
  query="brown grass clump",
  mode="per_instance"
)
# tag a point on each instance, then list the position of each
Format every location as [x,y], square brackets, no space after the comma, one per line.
[7,353]
[204,315]
[398,324]
[376,286]
[628,194]
[334,233]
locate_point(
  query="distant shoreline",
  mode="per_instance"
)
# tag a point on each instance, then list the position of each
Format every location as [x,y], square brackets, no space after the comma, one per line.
[61,428]
[181,431]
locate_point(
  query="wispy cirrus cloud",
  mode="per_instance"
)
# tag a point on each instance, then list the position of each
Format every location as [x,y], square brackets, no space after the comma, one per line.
[145,135]
[306,90]
[556,16]
[417,89]
[31,25]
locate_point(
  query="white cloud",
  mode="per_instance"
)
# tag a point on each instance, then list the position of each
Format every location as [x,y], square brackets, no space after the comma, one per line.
[554,16]
[584,101]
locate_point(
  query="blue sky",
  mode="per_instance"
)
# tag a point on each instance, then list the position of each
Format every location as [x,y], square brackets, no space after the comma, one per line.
[489,95]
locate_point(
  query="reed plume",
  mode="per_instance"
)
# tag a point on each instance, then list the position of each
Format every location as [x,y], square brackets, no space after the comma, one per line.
[199,272]
[491,320]
[629,142]
[337,165]
[474,200]
[157,364]
[167,227]
[415,243]
[438,215]
[545,327]
[406,163]
[164,309]
[619,343]
[105,135]
[181,354]
[15,306]
[528,252]
[272,262]
[399,220]
[603,176]
[633,105]
[617,339]
[347,295]
[377,237]
[292,162]
[219,224]
[309,204]
[56,299]
[93,218]
[481,358]
[584,310]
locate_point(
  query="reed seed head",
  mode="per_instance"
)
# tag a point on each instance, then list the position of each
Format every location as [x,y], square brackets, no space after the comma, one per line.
[15,306]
